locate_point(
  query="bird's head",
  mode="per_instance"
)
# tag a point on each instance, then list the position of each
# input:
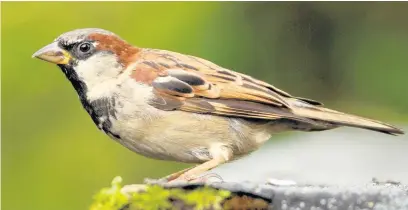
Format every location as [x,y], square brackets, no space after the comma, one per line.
[89,55]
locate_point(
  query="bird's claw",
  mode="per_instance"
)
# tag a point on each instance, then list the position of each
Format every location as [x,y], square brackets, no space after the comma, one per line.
[212,177]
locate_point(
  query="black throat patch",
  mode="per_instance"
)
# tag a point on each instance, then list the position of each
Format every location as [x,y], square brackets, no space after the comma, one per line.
[101,110]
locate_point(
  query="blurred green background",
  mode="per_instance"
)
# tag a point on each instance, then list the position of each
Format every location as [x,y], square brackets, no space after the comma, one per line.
[351,56]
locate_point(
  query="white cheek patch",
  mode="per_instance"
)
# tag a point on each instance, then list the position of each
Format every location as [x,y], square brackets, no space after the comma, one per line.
[98,68]
[99,72]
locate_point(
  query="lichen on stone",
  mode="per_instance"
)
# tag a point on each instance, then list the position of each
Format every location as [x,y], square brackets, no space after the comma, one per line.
[157,197]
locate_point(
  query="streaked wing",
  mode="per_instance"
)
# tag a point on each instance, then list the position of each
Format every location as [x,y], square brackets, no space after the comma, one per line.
[193,84]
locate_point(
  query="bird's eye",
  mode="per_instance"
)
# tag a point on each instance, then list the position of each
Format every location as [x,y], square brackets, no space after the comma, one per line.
[84,47]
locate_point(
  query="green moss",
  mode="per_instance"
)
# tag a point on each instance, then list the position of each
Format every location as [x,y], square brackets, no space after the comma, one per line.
[156,197]
[204,198]
[110,198]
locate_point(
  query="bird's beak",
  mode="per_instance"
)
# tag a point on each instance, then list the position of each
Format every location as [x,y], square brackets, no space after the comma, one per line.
[53,53]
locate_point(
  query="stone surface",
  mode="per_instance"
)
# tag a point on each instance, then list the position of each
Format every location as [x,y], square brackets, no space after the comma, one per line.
[343,157]
[370,196]
[341,169]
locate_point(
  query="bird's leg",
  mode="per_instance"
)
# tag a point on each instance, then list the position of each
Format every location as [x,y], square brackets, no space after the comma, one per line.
[176,175]
[194,172]
[167,178]
[220,155]
[183,175]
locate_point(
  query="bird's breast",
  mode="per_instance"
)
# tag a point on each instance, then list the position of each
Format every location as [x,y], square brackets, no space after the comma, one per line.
[124,114]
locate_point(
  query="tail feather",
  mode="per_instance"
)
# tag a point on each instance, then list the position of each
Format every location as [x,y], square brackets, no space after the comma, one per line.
[343,119]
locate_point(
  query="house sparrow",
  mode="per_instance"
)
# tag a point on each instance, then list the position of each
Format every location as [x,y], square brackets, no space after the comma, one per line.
[171,106]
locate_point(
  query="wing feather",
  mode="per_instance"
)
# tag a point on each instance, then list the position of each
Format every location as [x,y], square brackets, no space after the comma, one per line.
[191,84]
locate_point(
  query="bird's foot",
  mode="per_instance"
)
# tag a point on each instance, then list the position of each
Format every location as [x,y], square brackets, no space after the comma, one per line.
[206,178]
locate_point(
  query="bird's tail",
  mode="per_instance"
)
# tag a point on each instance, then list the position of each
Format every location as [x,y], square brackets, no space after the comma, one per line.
[340,119]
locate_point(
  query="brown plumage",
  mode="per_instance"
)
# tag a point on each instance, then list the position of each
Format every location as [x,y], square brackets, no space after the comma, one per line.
[172,106]
[203,87]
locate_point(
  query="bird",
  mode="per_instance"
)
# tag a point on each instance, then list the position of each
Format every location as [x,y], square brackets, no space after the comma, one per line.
[177,107]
